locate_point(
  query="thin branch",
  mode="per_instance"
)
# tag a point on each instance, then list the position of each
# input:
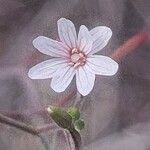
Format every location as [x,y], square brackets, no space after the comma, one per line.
[46,128]
[16,115]
[22,126]
[17,124]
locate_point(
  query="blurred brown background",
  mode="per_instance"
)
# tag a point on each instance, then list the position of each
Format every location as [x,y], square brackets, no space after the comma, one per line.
[117,112]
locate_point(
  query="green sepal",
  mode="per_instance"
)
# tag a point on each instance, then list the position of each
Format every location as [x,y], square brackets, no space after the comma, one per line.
[79,125]
[60,116]
[74,113]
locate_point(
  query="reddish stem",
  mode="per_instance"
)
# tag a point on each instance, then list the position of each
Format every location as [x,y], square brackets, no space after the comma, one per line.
[65,99]
[130,45]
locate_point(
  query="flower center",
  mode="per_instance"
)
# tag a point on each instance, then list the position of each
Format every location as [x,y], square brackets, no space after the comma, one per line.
[77,57]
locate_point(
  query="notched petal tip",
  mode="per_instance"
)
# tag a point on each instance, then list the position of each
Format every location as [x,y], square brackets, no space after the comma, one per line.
[36,41]
[61,19]
[83,27]
[54,87]
[84,33]
[108,32]
[101,30]
[31,74]
[85,93]
[64,19]
[56,90]
[115,68]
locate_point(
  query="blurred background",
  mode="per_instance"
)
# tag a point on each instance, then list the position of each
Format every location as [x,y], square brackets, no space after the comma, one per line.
[116,112]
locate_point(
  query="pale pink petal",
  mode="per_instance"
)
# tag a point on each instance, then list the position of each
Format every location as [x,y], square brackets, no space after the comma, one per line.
[50,47]
[67,32]
[46,69]
[85,40]
[102,65]
[63,78]
[84,80]
[101,36]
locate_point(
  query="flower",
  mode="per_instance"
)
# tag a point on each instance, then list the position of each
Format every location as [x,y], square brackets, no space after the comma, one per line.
[74,56]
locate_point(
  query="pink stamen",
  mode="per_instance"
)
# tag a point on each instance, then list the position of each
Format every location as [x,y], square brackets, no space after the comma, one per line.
[77,57]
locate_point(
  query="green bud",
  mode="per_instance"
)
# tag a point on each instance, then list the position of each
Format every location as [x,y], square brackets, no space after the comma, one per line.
[74,113]
[79,125]
[60,116]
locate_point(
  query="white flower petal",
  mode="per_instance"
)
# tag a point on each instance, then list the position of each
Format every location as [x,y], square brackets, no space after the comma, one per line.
[101,36]
[50,47]
[84,80]
[102,65]
[85,40]
[67,32]
[46,69]
[63,78]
